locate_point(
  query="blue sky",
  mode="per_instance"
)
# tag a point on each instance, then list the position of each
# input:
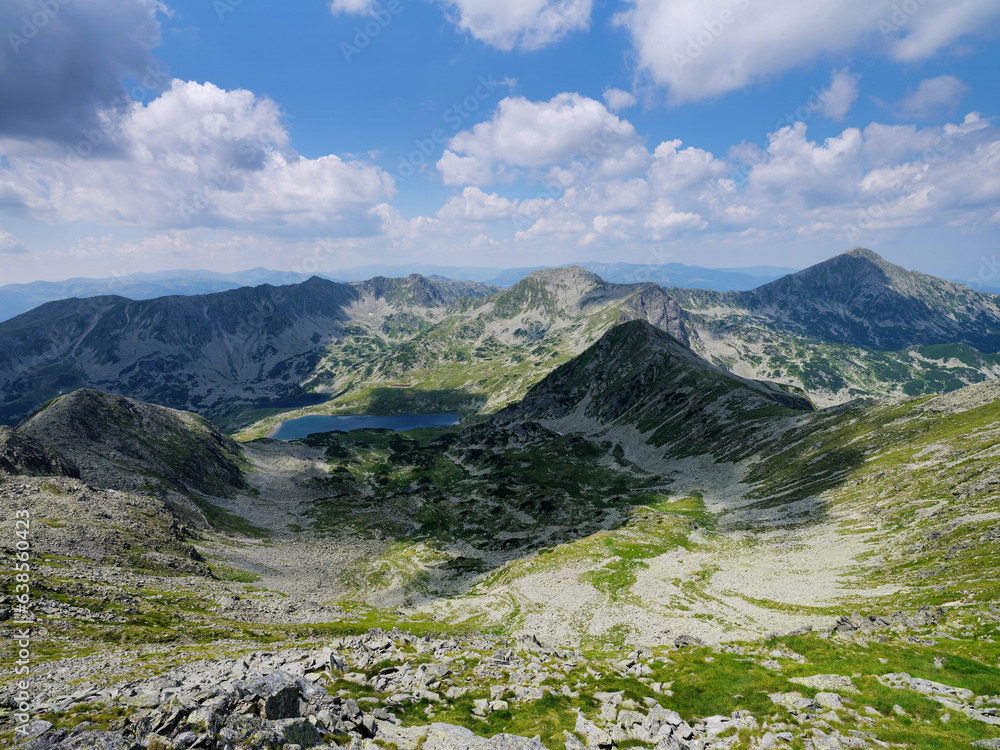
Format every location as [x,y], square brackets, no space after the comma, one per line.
[225,134]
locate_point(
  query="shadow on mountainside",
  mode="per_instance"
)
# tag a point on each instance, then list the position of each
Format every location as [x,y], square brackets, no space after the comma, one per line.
[402,399]
[485,496]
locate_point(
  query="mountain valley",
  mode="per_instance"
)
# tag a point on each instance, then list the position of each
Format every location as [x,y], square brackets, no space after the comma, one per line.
[667,520]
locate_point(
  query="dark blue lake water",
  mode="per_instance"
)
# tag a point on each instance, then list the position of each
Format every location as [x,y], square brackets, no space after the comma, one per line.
[305,426]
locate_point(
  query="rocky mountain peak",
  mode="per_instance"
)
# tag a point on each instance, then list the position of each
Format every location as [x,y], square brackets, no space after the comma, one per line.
[863,252]
[861,299]
[316,281]
[549,291]
[121,443]
[857,271]
[637,374]
[575,277]
[420,290]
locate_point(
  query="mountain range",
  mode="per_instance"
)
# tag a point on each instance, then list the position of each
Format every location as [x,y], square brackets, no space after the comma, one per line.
[201,351]
[664,274]
[19,298]
[851,326]
[16,299]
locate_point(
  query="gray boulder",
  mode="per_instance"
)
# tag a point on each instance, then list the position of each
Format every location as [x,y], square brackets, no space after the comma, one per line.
[298,732]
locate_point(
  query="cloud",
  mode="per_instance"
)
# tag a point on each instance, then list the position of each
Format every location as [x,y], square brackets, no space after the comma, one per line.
[608,229]
[195,156]
[836,100]
[934,26]
[473,205]
[701,49]
[684,170]
[865,182]
[932,96]
[568,130]
[352,7]
[806,174]
[617,100]
[855,186]
[113,257]
[62,63]
[663,221]
[10,245]
[521,24]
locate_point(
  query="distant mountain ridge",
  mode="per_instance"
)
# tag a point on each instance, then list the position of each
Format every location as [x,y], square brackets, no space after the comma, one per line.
[851,326]
[664,274]
[203,351]
[858,298]
[16,299]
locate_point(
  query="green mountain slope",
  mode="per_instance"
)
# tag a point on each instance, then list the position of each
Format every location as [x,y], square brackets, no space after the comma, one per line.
[874,523]
[638,493]
[216,353]
[639,376]
[120,443]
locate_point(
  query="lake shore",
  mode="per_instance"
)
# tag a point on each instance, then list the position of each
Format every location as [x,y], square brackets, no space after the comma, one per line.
[349,422]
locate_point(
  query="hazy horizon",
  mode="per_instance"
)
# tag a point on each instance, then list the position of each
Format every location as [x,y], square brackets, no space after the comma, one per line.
[748,270]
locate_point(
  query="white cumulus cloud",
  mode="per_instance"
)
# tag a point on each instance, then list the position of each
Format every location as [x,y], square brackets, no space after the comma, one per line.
[836,100]
[851,188]
[569,129]
[663,221]
[9,244]
[474,205]
[617,99]
[522,24]
[700,49]
[917,33]
[352,7]
[932,96]
[197,155]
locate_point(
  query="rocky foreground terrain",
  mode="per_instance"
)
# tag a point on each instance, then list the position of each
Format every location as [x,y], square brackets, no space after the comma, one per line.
[397,690]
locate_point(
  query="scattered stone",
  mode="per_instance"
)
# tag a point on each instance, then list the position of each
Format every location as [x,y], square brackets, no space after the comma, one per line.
[927,687]
[830,700]
[593,736]
[830,682]
[301,732]
[279,701]
[683,641]
[794,702]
